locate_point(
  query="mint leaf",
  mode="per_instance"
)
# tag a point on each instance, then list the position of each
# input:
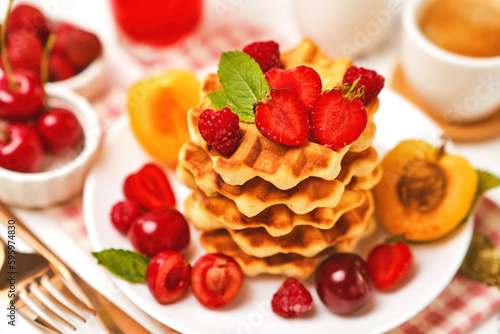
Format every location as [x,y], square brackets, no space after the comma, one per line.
[128,265]
[243,82]
[486,182]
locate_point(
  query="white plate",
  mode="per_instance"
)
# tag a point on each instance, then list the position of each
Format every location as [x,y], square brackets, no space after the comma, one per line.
[435,263]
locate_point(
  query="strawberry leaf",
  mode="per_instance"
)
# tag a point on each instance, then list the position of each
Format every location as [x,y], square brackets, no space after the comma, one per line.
[243,82]
[128,265]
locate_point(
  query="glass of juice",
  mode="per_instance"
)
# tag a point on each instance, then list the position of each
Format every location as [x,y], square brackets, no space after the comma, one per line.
[148,27]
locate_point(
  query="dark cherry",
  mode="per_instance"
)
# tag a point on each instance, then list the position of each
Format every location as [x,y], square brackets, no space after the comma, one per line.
[168,276]
[23,101]
[342,283]
[161,229]
[21,149]
[59,130]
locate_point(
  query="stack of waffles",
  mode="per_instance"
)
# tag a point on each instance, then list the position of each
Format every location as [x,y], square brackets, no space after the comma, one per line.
[277,209]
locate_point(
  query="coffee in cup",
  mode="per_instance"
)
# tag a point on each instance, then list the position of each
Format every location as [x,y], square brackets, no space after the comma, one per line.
[466,27]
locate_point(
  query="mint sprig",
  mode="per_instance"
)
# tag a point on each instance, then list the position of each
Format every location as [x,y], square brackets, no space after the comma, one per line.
[128,265]
[243,82]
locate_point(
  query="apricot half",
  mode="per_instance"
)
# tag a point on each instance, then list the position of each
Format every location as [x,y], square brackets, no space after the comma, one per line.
[425,193]
[157,107]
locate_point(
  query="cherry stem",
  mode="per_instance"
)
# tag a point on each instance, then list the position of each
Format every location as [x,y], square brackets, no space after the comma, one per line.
[6,65]
[44,75]
[3,136]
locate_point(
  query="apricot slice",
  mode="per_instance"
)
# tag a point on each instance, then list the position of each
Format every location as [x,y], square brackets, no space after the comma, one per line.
[157,107]
[425,193]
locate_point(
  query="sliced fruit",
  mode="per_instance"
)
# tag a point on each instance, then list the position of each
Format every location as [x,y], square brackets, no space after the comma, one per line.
[303,81]
[388,263]
[158,107]
[337,120]
[292,299]
[168,276]
[216,280]
[425,193]
[161,229]
[283,118]
[149,187]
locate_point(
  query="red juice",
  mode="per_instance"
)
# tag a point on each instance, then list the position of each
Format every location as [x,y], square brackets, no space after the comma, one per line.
[156,23]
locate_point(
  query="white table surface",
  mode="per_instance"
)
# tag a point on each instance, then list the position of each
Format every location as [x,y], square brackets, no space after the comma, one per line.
[95,14]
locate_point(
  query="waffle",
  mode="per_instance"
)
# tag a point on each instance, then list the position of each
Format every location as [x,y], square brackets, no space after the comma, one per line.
[209,213]
[281,165]
[303,240]
[290,265]
[257,194]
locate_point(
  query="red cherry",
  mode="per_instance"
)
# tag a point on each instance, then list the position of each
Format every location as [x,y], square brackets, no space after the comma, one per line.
[216,280]
[168,276]
[21,149]
[342,283]
[59,130]
[161,229]
[24,101]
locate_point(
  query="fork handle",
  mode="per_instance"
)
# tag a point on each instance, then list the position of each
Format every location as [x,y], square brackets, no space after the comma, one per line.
[6,215]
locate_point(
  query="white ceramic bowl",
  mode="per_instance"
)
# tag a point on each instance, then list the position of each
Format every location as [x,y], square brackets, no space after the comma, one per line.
[89,83]
[64,179]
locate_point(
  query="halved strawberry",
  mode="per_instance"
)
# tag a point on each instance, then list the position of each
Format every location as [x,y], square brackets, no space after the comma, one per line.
[283,118]
[303,81]
[388,263]
[337,120]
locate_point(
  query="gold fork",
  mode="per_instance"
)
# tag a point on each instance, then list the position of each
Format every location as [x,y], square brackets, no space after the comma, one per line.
[22,274]
[112,318]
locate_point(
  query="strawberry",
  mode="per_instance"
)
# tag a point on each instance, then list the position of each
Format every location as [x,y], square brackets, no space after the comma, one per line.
[283,118]
[29,18]
[370,80]
[221,130]
[389,263]
[266,54]
[303,81]
[338,118]
[60,68]
[79,46]
[24,51]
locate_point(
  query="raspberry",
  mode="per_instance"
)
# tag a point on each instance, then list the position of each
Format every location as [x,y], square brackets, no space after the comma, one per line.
[371,80]
[291,299]
[266,54]
[221,130]
[124,213]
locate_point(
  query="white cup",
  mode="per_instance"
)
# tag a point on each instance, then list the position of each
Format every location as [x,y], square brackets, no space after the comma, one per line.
[457,88]
[347,27]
